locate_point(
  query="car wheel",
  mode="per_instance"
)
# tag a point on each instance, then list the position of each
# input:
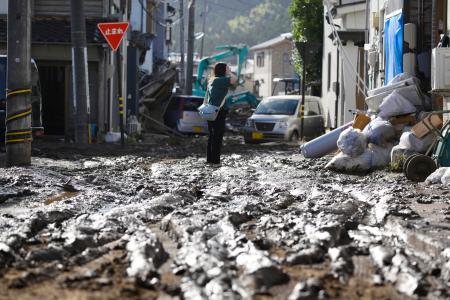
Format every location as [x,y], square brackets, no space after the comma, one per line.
[294,137]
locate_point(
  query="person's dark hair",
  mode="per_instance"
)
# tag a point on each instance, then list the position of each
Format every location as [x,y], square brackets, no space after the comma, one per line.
[220,69]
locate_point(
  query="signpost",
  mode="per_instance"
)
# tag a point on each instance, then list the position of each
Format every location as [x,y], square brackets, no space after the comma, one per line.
[114,34]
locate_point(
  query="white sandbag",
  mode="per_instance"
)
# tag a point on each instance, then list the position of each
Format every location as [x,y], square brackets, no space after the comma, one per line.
[446,178]
[345,163]
[395,105]
[381,156]
[438,176]
[409,141]
[373,158]
[380,132]
[112,137]
[352,142]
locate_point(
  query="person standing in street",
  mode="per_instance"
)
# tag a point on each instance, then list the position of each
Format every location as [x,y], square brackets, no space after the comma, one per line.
[218,89]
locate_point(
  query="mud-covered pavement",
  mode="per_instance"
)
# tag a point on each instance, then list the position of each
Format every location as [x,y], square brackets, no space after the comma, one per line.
[158,222]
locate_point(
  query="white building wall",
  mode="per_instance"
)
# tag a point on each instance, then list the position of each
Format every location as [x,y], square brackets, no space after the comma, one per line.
[347,99]
[264,73]
[349,18]
[329,76]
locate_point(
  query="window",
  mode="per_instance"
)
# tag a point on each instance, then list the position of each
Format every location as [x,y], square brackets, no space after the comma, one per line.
[277,107]
[260,60]
[312,108]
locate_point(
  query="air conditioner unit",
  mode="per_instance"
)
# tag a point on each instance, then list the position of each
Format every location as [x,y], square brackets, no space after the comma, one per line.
[440,70]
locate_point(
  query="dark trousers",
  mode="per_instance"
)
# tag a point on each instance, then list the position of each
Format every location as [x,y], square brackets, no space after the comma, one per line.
[216,130]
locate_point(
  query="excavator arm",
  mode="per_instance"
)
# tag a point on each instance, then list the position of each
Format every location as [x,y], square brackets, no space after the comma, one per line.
[240,51]
[243,97]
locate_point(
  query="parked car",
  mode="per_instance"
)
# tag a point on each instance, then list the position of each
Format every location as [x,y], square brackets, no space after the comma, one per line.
[36,99]
[278,118]
[182,115]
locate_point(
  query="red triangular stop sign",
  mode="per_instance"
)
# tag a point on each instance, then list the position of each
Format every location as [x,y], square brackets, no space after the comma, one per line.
[113,33]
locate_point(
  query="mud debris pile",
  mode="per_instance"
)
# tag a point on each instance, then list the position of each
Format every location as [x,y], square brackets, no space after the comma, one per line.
[266,223]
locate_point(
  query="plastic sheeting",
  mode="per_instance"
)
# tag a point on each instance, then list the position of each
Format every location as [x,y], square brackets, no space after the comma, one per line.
[393,37]
[440,176]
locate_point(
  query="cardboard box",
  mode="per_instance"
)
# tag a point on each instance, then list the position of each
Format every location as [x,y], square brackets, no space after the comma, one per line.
[361,121]
[420,129]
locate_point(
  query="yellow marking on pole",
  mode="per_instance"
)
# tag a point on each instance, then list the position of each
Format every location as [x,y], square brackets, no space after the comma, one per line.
[17,92]
[18,141]
[19,133]
[24,114]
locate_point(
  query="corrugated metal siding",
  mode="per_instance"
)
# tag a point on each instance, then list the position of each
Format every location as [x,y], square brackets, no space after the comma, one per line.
[62,7]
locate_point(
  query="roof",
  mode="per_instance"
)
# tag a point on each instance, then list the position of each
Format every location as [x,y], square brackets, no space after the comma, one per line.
[56,30]
[273,42]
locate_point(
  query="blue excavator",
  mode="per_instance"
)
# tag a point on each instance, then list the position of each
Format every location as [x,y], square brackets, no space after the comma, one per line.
[227,51]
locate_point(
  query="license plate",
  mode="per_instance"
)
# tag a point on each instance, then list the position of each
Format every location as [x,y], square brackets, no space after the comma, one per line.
[197,129]
[257,135]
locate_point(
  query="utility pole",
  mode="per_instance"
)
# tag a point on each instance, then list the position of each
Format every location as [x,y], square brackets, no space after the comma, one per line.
[204,15]
[123,76]
[182,43]
[302,107]
[81,101]
[190,50]
[18,107]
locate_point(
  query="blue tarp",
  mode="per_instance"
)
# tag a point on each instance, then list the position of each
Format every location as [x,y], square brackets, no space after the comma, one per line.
[393,41]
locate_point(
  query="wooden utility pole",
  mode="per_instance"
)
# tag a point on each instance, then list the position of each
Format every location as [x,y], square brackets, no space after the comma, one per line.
[81,101]
[182,43]
[190,50]
[18,107]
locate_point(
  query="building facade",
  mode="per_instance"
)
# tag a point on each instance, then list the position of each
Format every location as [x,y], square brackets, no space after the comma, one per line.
[342,66]
[272,59]
[378,40]
[51,49]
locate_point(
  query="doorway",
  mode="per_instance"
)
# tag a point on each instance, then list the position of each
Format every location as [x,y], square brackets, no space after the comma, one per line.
[53,85]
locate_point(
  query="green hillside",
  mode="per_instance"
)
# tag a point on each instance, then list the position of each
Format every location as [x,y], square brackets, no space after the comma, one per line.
[239,21]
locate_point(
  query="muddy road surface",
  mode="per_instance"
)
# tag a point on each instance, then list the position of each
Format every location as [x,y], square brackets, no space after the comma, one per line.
[156,222]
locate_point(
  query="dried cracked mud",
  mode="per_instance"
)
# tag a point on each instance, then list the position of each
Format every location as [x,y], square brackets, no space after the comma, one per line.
[158,223]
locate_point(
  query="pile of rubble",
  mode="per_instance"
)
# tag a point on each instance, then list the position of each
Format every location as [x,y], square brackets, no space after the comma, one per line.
[396,126]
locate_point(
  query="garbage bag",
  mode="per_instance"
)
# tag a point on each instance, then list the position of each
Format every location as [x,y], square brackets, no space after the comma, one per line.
[398,157]
[402,77]
[446,178]
[380,132]
[440,176]
[374,157]
[381,156]
[344,163]
[409,141]
[352,142]
[112,137]
[395,105]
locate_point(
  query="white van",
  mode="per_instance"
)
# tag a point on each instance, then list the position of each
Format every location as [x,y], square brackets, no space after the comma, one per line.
[278,118]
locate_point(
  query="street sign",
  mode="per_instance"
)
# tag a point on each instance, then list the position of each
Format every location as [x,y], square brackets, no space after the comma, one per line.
[113,33]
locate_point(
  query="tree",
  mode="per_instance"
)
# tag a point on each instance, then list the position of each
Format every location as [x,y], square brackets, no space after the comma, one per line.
[307,26]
